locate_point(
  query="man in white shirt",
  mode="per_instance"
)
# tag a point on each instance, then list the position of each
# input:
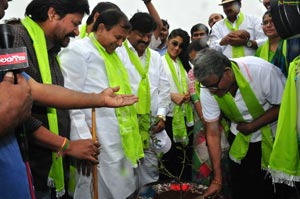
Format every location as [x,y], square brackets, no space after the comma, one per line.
[248,91]
[144,64]
[238,34]
[91,64]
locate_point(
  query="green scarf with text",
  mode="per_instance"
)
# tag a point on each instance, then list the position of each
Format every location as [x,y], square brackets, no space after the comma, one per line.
[178,122]
[127,117]
[144,103]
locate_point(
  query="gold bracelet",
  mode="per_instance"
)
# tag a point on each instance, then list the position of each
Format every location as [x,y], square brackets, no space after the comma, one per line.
[216,182]
[63,148]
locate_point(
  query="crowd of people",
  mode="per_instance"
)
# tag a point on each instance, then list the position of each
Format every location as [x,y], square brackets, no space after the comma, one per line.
[218,106]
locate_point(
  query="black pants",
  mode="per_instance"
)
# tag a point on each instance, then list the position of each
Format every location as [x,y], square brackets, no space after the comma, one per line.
[173,159]
[286,192]
[249,181]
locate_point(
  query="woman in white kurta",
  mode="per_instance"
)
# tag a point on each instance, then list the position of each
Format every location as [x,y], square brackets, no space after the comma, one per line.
[182,118]
[84,69]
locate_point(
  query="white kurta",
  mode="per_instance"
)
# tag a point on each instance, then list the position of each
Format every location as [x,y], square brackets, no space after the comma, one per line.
[147,171]
[171,80]
[84,70]
[267,83]
[251,23]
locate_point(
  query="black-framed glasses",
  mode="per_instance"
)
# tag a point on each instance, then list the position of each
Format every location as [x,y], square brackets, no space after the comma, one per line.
[176,43]
[215,86]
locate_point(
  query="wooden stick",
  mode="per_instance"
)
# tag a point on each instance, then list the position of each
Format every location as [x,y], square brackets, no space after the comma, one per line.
[95,171]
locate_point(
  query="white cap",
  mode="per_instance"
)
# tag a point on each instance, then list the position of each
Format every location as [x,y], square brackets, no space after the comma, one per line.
[161,142]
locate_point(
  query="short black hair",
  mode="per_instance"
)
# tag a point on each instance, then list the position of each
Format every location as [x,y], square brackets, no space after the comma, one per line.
[100,7]
[199,26]
[38,9]
[110,18]
[143,22]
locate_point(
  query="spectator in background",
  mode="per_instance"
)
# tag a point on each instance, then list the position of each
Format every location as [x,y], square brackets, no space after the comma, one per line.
[164,33]
[155,39]
[238,34]
[267,4]
[199,32]
[213,18]
[274,50]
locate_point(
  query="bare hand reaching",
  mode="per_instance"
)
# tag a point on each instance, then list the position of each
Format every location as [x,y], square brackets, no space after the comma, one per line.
[84,149]
[110,99]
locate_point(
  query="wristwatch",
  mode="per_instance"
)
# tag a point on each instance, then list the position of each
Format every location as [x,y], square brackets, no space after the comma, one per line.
[249,44]
[162,117]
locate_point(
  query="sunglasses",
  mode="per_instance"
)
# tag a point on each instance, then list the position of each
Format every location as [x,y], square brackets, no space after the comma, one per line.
[175,44]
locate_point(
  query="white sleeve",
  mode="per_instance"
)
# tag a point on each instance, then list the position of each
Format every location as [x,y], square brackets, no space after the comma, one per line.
[164,89]
[210,108]
[155,42]
[273,84]
[74,69]
[215,38]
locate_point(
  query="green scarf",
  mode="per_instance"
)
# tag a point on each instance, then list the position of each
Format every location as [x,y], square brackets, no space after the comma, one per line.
[278,58]
[264,52]
[129,130]
[237,51]
[240,145]
[178,122]
[83,32]
[144,103]
[285,158]
[56,174]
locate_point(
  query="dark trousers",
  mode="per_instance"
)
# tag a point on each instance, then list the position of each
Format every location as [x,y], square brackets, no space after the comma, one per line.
[173,159]
[249,181]
[287,192]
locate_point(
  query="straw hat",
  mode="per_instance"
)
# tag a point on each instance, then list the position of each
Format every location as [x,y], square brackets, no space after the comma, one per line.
[226,1]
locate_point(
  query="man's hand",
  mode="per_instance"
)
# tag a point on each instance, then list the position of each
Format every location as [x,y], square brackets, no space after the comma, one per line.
[16,101]
[213,189]
[242,34]
[110,99]
[84,150]
[245,128]
[158,127]
[236,38]
[179,99]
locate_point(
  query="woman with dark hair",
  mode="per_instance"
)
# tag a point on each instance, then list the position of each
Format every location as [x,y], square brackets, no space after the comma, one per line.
[274,50]
[179,120]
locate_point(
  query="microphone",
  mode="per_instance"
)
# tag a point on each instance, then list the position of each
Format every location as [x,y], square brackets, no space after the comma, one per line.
[15,60]
[11,59]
